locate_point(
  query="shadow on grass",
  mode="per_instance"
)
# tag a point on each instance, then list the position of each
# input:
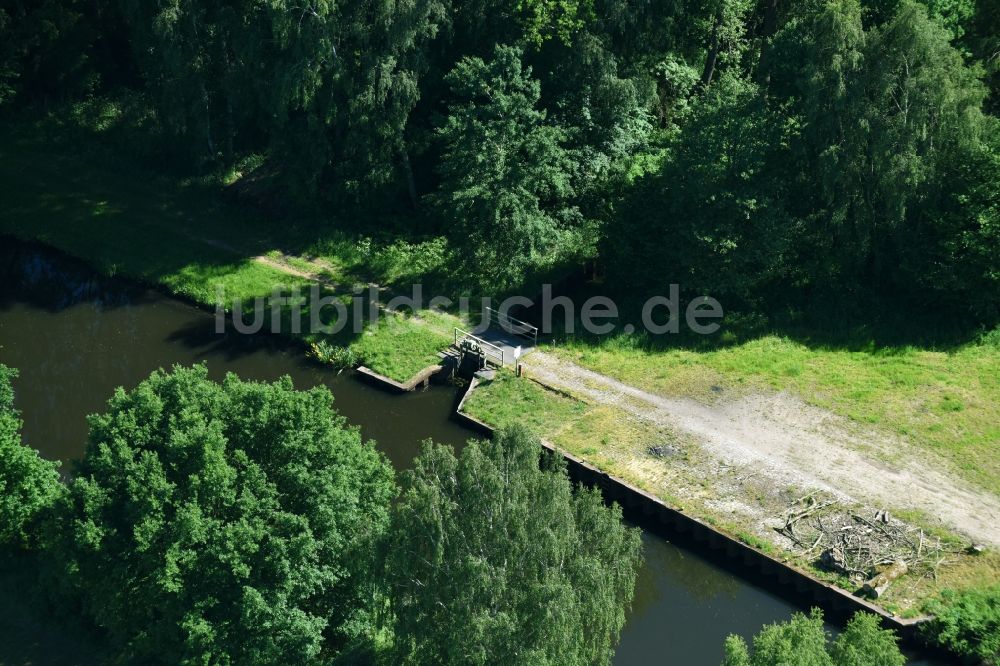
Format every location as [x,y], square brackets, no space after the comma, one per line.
[186,238]
[67,185]
[182,238]
[78,195]
[879,325]
[42,278]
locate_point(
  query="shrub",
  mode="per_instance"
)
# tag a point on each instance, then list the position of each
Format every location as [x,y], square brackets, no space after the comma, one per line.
[341,358]
[967,623]
[803,641]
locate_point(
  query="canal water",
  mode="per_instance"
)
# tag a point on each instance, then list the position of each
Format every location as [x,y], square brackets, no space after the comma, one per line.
[76,337]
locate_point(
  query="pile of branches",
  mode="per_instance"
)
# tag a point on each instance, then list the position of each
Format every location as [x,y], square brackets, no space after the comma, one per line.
[863,545]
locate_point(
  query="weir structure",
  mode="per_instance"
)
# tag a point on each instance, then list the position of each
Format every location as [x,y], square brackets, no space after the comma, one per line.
[486,352]
[498,341]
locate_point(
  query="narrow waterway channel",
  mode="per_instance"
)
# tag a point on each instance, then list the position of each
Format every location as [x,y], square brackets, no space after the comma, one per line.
[75,338]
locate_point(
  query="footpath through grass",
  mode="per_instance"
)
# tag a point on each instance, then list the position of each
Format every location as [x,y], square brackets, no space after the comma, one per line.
[191,241]
[188,239]
[946,402]
[126,223]
[672,467]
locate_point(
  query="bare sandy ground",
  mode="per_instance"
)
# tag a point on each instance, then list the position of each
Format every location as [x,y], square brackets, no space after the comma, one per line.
[792,444]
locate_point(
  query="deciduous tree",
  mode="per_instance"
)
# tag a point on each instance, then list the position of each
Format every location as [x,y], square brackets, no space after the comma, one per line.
[506,176]
[803,641]
[494,559]
[28,484]
[222,523]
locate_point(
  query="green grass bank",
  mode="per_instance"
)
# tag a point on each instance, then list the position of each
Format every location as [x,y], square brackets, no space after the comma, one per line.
[188,239]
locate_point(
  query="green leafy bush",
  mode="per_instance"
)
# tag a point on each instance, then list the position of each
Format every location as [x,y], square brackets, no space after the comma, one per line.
[991,339]
[28,484]
[803,641]
[341,358]
[967,623]
[400,262]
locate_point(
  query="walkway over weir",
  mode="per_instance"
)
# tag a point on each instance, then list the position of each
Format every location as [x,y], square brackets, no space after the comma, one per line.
[502,340]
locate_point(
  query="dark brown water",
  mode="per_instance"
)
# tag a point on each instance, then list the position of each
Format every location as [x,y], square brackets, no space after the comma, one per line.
[74,350]
[76,338]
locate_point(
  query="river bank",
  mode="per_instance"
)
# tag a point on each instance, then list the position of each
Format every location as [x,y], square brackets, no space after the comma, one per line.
[75,339]
[167,235]
[650,448]
[192,243]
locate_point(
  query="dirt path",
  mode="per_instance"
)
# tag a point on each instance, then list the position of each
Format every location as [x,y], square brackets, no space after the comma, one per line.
[281,263]
[282,266]
[775,435]
[796,445]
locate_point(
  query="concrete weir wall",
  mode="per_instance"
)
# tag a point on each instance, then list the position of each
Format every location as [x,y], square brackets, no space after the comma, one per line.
[653,514]
[422,378]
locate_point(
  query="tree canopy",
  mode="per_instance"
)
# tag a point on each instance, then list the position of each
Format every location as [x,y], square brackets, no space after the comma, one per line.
[797,160]
[245,523]
[505,172]
[847,175]
[28,484]
[803,641]
[494,558]
[222,523]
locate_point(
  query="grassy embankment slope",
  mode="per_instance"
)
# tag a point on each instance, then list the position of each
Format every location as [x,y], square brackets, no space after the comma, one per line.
[189,240]
[944,401]
[941,403]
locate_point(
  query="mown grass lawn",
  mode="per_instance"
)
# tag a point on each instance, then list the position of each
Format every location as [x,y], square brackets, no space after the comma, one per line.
[618,444]
[508,399]
[604,436]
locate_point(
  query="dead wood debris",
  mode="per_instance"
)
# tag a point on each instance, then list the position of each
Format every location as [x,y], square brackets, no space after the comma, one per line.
[870,548]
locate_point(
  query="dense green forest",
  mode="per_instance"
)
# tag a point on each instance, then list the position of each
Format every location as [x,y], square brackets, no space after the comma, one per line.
[794,159]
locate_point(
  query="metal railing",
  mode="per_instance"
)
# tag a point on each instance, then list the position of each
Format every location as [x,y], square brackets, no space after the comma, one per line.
[514,326]
[488,351]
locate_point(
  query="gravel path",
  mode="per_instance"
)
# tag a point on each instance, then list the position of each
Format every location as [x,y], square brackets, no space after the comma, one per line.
[796,445]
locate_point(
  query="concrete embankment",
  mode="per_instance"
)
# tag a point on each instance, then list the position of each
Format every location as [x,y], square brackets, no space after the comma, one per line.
[653,514]
[422,378]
